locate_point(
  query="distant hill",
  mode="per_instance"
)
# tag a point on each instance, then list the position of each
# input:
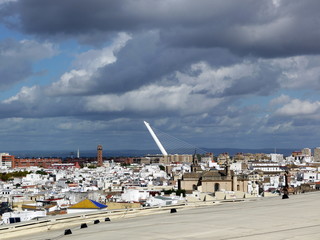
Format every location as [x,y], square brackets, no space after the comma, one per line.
[139,153]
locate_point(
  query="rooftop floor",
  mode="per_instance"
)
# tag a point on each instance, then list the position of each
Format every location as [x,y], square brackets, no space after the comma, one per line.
[265,218]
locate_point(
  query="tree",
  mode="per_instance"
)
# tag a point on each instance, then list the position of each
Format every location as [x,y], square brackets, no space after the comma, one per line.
[9,176]
[162,168]
[41,172]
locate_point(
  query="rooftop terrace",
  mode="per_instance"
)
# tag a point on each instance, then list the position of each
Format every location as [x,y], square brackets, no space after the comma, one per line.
[263,218]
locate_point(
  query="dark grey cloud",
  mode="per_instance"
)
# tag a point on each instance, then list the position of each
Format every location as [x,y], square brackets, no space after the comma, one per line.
[78,16]
[264,83]
[262,28]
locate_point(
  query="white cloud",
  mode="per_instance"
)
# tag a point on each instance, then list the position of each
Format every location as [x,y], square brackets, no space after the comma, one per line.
[97,58]
[216,80]
[153,98]
[27,95]
[297,107]
[282,99]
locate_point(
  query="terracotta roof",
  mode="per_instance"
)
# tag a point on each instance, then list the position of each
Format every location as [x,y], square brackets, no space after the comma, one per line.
[192,175]
[211,174]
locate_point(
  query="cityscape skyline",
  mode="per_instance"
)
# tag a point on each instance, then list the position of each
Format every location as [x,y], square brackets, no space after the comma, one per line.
[216,74]
[109,154]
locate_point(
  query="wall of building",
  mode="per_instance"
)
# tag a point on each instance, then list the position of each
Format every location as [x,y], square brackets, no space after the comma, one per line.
[189,185]
[119,205]
[38,162]
[176,158]
[7,160]
[317,154]
[209,186]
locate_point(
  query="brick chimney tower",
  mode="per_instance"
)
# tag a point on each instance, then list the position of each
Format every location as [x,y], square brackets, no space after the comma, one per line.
[99,155]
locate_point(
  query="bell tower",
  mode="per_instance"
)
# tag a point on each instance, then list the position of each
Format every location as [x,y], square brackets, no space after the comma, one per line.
[99,155]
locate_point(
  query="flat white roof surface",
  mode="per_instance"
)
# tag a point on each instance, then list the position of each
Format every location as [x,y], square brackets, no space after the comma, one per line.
[269,218]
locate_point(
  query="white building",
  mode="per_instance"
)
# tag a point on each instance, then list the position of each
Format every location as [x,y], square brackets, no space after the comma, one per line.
[266,167]
[13,217]
[275,157]
[162,201]
[5,164]
[236,166]
[134,195]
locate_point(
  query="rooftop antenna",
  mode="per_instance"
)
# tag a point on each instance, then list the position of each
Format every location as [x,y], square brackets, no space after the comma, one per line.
[155,138]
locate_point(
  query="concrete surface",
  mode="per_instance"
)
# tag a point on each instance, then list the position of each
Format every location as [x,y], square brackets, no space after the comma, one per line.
[266,218]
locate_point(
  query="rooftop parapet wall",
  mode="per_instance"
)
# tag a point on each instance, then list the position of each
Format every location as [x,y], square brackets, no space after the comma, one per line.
[74,220]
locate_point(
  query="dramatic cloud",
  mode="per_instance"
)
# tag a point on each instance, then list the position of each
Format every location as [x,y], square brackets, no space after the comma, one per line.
[81,79]
[216,73]
[263,28]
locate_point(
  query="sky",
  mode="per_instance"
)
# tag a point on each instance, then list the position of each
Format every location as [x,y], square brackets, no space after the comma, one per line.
[213,73]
